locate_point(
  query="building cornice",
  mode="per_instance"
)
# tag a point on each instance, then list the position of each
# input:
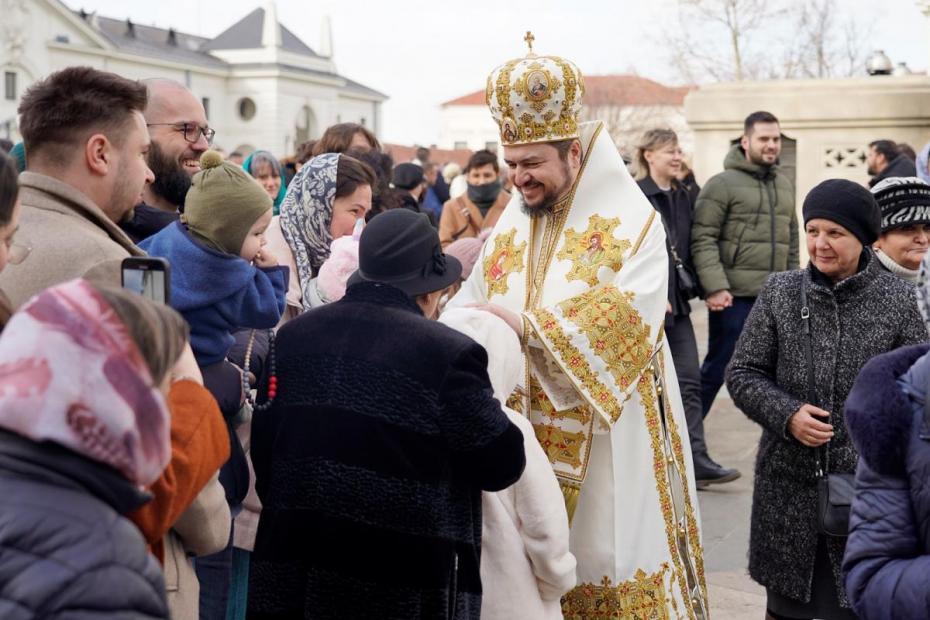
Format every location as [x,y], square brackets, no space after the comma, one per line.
[137,58]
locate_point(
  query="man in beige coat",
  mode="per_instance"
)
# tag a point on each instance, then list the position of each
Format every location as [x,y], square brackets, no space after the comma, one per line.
[86,141]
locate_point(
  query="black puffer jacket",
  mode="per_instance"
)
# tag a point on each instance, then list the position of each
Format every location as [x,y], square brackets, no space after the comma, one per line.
[869,313]
[65,550]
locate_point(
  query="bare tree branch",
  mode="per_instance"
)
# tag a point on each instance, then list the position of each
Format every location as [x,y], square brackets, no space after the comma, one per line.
[755,39]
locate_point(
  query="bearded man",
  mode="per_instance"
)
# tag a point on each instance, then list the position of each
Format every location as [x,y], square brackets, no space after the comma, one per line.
[177,124]
[745,227]
[598,385]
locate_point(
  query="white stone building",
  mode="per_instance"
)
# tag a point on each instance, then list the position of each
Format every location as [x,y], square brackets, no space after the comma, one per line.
[262,86]
[628,104]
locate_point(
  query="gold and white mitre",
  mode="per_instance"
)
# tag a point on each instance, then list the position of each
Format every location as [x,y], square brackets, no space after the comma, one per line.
[535,98]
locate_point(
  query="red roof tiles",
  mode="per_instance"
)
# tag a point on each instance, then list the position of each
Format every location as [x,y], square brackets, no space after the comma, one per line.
[620,90]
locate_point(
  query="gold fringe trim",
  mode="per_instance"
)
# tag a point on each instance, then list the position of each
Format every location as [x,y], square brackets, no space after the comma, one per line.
[570,492]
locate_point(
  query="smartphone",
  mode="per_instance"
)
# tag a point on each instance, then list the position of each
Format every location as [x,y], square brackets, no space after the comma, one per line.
[149,276]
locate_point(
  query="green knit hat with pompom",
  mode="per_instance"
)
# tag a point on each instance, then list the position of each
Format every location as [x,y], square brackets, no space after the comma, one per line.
[223,203]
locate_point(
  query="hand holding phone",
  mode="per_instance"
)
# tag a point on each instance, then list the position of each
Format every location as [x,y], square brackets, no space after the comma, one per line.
[148,276]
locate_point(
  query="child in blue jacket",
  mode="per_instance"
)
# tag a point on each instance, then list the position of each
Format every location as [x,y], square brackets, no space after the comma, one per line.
[221,277]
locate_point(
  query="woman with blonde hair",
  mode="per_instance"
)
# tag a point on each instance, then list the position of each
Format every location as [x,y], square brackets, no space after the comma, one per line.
[658,162]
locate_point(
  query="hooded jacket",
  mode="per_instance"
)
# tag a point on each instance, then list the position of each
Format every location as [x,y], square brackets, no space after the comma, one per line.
[745,227]
[217,293]
[888,552]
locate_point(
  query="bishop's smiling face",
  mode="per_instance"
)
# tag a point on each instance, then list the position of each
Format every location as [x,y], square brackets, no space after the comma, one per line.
[543,173]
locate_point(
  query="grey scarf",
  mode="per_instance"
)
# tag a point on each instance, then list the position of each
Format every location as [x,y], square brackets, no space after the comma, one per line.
[306,214]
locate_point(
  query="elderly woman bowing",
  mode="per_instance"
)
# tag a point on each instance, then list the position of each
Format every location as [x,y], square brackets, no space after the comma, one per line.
[857,310]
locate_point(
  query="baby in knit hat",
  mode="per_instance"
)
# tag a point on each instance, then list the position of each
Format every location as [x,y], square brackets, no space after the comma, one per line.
[222,277]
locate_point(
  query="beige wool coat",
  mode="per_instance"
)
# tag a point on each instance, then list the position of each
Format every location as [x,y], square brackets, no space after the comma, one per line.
[203,529]
[69,236]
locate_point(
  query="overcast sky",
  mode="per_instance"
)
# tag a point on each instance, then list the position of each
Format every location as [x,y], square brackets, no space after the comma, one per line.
[423,53]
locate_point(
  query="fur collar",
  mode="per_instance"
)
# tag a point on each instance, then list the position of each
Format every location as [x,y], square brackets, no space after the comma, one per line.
[879,415]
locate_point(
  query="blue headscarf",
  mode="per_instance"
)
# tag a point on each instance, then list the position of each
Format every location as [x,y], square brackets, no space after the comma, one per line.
[266,156]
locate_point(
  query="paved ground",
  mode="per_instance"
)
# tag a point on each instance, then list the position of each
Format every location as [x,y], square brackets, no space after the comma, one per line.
[732,441]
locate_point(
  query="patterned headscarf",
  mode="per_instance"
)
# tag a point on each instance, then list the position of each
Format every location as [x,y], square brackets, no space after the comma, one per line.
[70,373]
[306,214]
[923,290]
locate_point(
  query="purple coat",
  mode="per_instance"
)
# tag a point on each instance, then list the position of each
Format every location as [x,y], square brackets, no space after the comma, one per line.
[888,552]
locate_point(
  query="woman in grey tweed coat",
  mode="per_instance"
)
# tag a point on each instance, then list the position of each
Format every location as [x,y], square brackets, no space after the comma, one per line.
[857,310]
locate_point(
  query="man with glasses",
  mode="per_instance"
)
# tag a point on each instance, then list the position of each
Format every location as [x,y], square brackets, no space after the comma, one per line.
[177,125]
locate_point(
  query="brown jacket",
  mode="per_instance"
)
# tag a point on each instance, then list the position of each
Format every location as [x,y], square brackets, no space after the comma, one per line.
[69,236]
[188,514]
[461,218]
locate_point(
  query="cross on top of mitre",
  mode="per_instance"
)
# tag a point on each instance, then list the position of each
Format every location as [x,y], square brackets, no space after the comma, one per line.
[529,38]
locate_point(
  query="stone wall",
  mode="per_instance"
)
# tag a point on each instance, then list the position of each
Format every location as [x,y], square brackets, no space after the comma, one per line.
[831,121]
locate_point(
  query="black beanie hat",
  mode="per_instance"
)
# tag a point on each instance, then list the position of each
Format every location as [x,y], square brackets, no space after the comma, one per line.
[846,203]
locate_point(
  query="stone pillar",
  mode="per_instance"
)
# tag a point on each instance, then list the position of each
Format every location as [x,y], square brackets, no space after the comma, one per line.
[924,6]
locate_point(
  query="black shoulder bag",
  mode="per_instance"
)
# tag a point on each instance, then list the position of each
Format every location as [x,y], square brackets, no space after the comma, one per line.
[688,284]
[834,491]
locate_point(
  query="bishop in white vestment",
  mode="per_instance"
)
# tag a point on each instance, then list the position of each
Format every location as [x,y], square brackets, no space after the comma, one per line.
[586,271]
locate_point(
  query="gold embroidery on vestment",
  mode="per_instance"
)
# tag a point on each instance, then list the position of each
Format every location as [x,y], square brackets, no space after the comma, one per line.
[577,365]
[504,260]
[642,233]
[646,390]
[694,535]
[641,598]
[592,249]
[615,331]
[560,445]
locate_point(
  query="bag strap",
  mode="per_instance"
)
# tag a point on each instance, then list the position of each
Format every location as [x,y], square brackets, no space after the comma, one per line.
[468,222]
[809,362]
[669,241]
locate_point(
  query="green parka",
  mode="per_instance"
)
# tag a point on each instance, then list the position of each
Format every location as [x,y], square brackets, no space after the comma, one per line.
[745,227]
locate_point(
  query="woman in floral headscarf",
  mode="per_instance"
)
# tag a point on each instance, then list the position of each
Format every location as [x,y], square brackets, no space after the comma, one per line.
[330,194]
[84,426]
[326,199]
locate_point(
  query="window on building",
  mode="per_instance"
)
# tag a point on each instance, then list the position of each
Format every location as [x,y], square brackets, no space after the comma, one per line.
[206,106]
[9,85]
[491,146]
[460,145]
[246,109]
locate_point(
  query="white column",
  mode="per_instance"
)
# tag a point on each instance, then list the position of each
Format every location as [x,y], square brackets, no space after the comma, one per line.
[924,6]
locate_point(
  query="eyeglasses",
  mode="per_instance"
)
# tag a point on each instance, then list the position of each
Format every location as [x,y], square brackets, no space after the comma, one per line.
[191,131]
[17,253]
